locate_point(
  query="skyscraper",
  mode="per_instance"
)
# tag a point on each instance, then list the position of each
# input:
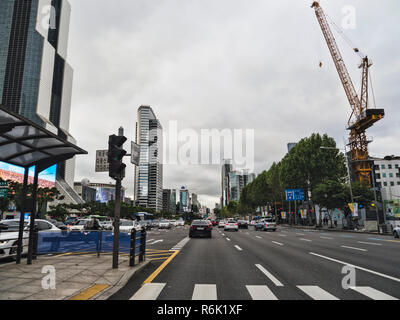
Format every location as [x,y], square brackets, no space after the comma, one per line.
[35,78]
[227,167]
[184,200]
[149,173]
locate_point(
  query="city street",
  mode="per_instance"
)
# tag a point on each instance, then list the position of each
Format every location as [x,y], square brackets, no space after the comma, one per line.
[290,264]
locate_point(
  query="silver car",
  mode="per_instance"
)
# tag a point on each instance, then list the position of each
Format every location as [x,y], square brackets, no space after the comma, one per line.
[164,224]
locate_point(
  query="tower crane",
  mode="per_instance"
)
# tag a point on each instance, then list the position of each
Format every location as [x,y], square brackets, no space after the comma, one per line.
[361,117]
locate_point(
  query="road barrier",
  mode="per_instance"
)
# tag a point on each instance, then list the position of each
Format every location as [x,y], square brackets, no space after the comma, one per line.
[137,238]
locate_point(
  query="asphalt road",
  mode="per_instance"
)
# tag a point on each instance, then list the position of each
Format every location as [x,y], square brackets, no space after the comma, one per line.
[290,264]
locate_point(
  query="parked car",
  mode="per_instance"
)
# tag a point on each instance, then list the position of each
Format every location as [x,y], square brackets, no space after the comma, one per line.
[106,225]
[221,224]
[243,224]
[266,225]
[253,222]
[164,224]
[200,228]
[396,232]
[180,223]
[71,221]
[231,225]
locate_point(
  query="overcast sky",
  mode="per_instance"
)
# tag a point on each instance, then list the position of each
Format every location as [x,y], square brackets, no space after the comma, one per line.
[217,64]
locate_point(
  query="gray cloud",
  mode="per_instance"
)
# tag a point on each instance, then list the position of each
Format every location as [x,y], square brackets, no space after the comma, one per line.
[224,64]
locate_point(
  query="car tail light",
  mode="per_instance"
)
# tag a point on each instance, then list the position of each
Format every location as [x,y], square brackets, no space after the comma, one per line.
[191,227]
[236,224]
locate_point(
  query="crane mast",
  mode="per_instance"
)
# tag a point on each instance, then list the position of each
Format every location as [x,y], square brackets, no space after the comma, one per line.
[361,117]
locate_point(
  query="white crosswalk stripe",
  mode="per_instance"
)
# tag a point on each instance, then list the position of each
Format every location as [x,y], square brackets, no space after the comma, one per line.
[205,292]
[261,293]
[317,293]
[150,291]
[373,293]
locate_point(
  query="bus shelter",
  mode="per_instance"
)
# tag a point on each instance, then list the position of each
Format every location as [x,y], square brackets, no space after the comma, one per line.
[25,144]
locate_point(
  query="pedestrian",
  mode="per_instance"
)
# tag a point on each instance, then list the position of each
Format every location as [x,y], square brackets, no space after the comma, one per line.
[93,224]
[335,222]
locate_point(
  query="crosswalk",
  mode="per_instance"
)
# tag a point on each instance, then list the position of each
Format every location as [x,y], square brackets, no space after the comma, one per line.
[151,291]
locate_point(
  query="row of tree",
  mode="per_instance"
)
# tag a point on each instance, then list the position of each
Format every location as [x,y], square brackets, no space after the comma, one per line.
[315,165]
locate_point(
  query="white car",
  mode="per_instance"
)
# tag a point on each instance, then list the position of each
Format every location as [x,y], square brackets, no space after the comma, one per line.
[221,224]
[128,225]
[396,232]
[164,224]
[231,225]
[253,222]
[9,239]
[173,223]
[79,225]
[180,223]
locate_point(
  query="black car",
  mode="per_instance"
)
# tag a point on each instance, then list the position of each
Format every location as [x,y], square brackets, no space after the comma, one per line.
[243,224]
[200,228]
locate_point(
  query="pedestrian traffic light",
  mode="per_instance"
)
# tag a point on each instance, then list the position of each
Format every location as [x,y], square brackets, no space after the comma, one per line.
[116,154]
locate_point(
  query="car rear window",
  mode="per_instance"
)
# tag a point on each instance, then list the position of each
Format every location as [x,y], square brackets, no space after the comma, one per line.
[200,223]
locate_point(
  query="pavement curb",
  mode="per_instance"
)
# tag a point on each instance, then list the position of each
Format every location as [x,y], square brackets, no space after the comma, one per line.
[104,295]
[338,230]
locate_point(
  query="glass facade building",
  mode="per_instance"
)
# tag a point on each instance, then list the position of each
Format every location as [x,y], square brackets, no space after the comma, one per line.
[35,79]
[149,173]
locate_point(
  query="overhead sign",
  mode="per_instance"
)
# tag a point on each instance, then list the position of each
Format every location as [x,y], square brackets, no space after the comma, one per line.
[3,189]
[135,153]
[294,195]
[102,164]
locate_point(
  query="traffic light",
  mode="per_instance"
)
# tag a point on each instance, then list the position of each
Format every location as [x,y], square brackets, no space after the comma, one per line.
[115,155]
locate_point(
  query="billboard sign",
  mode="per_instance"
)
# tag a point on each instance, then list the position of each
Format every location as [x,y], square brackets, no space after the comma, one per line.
[294,195]
[102,164]
[47,178]
[135,153]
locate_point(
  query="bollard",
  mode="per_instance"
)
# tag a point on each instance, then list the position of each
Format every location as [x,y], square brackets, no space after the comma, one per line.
[142,245]
[133,248]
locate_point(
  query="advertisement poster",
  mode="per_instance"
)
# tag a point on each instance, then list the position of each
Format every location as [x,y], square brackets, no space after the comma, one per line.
[354,209]
[47,178]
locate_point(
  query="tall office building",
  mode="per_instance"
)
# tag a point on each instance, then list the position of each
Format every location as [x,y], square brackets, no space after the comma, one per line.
[166,200]
[173,201]
[227,167]
[35,78]
[184,200]
[149,173]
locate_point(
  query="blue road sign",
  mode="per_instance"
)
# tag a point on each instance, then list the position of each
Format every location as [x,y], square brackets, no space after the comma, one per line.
[294,195]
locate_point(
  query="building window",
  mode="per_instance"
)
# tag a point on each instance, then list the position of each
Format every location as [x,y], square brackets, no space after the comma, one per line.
[384,175]
[383,166]
[390,166]
[385,184]
[391,175]
[396,166]
[397,175]
[392,183]
[378,176]
[398,183]
[376,168]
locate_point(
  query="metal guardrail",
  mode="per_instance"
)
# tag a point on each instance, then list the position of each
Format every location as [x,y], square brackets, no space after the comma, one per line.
[142,246]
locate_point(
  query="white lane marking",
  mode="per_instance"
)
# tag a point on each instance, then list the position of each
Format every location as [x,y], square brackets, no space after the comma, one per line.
[222,234]
[261,293]
[258,237]
[373,293]
[317,293]
[371,243]
[357,267]
[150,240]
[205,292]
[239,248]
[353,248]
[269,275]
[327,238]
[300,234]
[282,235]
[281,244]
[157,241]
[302,239]
[180,244]
[228,239]
[150,291]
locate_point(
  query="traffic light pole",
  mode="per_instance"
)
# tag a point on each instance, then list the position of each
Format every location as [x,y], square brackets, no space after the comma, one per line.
[117,212]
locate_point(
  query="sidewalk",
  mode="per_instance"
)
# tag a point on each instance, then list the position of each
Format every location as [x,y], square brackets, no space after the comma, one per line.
[78,277]
[338,229]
